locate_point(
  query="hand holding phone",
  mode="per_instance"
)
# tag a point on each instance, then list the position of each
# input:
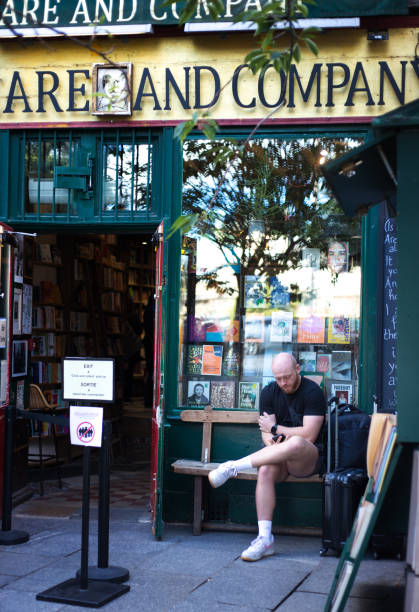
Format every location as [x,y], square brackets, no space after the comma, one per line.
[278,437]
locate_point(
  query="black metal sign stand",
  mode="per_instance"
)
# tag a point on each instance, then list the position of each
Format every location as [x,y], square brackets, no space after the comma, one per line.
[82,591]
[103,571]
[9,536]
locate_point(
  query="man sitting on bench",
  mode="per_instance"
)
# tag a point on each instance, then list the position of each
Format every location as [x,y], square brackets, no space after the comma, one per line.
[292,407]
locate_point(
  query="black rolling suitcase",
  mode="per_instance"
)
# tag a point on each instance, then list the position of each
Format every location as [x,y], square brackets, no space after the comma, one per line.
[343,487]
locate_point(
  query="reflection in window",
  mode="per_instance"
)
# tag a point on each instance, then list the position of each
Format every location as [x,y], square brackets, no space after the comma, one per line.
[273,266]
[41,156]
[126,181]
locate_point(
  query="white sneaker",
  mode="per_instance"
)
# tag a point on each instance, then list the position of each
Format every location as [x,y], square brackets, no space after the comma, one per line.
[260,547]
[224,471]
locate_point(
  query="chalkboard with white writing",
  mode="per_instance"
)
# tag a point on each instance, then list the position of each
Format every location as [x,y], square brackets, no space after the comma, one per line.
[387,331]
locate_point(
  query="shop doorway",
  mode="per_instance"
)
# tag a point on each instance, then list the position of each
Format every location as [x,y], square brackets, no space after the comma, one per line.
[92,295]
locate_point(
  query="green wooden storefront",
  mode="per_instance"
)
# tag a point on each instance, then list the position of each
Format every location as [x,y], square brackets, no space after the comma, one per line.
[299,505]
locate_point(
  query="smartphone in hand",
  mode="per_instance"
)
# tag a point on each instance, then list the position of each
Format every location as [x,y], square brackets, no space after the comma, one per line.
[278,437]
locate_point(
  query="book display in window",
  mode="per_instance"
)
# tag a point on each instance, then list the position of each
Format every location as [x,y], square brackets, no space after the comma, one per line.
[254,292]
[324,363]
[307,361]
[249,395]
[341,365]
[254,326]
[212,358]
[198,393]
[339,330]
[281,326]
[310,330]
[253,359]
[231,361]
[194,359]
[223,394]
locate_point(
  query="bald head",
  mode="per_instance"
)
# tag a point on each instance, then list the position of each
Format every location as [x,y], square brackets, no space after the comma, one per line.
[286,372]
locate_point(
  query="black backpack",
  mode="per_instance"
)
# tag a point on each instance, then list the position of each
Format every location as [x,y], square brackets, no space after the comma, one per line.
[353,430]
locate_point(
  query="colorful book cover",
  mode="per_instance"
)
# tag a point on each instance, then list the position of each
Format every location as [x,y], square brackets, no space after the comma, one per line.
[279,294]
[232,333]
[198,393]
[339,330]
[281,326]
[254,292]
[194,359]
[324,363]
[315,377]
[212,357]
[254,325]
[343,391]
[341,365]
[223,394]
[231,361]
[310,330]
[253,359]
[249,396]
[307,361]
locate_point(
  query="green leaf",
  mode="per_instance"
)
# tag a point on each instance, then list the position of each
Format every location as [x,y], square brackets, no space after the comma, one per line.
[312,46]
[297,53]
[183,224]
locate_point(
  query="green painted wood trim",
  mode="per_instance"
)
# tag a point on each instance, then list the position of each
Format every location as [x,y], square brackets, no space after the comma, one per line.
[368,324]
[4,173]
[408,286]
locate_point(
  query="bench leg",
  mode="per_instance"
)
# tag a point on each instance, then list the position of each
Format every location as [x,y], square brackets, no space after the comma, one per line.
[197,506]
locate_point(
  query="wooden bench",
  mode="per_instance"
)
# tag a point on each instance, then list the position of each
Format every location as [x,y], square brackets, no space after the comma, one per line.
[200,469]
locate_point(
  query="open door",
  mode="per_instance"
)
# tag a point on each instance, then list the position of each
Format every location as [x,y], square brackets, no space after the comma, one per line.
[158,391]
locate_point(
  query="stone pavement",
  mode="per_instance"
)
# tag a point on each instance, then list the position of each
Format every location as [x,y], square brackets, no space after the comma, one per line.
[186,573]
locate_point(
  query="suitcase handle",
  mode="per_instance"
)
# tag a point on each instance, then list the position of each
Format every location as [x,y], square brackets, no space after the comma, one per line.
[332,401]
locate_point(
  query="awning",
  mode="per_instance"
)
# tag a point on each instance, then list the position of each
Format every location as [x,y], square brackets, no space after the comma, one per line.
[367,175]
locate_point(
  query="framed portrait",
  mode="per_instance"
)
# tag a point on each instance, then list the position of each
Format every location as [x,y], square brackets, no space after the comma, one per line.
[19,358]
[17,311]
[112,89]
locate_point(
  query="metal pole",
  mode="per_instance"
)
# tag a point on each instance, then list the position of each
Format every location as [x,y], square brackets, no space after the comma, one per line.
[104,488]
[85,520]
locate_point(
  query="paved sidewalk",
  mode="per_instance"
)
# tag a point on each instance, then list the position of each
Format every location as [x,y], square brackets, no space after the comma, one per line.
[187,573]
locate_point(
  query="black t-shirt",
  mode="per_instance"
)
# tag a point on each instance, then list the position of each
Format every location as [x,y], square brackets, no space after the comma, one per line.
[290,409]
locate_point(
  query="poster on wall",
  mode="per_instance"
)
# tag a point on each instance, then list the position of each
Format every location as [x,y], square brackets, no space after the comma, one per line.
[27,309]
[3,332]
[18,259]
[19,358]
[17,311]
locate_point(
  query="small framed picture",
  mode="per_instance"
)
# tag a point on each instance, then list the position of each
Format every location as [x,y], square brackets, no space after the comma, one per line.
[112,89]
[20,358]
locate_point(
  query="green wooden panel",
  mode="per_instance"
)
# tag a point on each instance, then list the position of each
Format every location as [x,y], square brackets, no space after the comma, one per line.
[408,287]
[368,328]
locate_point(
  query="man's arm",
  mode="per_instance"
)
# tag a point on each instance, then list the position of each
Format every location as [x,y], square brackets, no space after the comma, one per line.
[309,430]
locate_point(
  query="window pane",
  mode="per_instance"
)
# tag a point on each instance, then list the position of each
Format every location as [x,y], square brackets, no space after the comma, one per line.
[41,156]
[273,266]
[126,177]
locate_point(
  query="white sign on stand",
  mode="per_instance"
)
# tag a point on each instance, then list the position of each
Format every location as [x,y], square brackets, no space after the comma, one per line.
[86,425]
[88,379]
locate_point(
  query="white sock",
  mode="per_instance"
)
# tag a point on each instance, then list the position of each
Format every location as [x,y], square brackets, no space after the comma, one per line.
[265,529]
[243,464]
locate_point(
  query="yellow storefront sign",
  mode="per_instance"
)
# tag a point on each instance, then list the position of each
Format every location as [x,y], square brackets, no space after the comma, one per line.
[172,77]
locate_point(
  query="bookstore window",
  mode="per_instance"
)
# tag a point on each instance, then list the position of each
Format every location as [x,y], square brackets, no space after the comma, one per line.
[272,266]
[65,172]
